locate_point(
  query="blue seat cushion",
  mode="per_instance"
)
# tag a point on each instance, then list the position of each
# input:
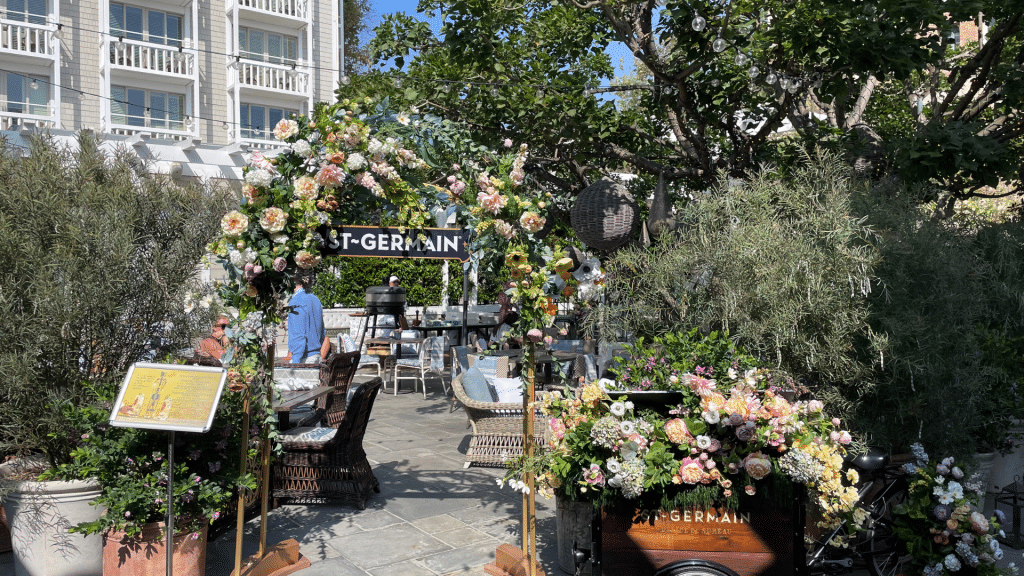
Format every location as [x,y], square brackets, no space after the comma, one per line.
[477,387]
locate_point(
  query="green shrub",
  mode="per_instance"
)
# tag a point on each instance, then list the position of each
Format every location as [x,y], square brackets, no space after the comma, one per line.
[343,281]
[97,259]
[949,295]
[779,264]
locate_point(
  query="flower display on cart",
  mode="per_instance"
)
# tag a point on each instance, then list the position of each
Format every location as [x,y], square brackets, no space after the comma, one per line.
[735,430]
[939,524]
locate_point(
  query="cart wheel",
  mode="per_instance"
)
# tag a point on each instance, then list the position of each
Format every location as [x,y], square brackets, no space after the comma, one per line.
[695,568]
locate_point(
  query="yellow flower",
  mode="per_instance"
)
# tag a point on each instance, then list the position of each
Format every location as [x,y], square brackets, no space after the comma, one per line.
[852,477]
[563,265]
[515,259]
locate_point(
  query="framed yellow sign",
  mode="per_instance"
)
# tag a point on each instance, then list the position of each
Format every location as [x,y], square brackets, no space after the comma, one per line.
[169,397]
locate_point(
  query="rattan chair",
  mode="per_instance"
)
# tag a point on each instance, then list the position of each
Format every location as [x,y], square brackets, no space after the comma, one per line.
[335,470]
[497,429]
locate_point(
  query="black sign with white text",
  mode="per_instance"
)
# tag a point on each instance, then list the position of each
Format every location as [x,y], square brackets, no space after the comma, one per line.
[382,242]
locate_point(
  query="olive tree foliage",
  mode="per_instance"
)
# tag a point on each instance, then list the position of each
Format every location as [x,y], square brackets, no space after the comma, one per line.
[98,260]
[943,290]
[781,264]
[538,72]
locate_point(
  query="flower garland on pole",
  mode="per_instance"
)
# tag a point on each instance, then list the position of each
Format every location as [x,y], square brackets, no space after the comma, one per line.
[512,232]
[334,167]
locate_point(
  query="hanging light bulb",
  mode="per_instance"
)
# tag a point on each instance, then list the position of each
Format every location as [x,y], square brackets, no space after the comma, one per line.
[34,84]
[397,82]
[345,80]
[793,87]
[540,93]
[58,33]
[718,45]
[784,83]
[494,91]
[771,77]
[698,22]
[446,88]
[754,71]
[716,82]
[189,123]
[741,59]
[179,55]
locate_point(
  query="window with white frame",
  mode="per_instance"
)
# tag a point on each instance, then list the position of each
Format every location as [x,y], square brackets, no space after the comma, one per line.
[136,23]
[265,46]
[147,108]
[31,11]
[25,94]
[257,122]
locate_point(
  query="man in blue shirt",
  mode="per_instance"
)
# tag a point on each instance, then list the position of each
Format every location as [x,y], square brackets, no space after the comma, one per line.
[305,326]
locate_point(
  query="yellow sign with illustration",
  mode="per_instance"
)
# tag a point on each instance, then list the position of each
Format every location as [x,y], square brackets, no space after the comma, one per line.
[169,397]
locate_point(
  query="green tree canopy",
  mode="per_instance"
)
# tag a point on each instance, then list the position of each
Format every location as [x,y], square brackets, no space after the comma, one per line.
[841,72]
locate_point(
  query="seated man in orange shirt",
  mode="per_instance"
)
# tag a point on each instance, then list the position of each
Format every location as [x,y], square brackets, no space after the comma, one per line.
[214,346]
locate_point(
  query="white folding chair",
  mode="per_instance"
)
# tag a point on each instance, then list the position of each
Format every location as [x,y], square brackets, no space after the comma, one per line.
[429,358]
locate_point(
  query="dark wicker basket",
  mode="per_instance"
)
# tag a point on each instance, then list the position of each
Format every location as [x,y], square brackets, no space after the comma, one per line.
[605,215]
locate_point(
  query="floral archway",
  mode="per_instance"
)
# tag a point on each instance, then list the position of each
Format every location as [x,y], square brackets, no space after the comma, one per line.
[338,167]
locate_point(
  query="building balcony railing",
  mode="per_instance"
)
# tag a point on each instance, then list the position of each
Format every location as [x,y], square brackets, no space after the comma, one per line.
[260,144]
[32,39]
[9,119]
[293,8]
[158,133]
[274,77]
[143,56]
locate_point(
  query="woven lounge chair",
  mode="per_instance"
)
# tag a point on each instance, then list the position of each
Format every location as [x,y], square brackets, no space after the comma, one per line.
[497,429]
[333,469]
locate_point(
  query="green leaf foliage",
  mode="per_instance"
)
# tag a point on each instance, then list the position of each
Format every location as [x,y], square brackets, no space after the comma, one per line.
[97,261]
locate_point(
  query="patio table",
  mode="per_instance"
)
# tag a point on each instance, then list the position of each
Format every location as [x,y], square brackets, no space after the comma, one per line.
[291,399]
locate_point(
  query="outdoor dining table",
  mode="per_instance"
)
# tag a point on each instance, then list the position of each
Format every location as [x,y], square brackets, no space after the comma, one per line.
[291,399]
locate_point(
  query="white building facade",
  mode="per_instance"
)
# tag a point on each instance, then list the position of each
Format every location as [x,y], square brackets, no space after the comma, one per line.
[166,73]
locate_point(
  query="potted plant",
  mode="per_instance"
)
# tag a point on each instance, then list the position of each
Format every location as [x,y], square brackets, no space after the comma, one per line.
[733,437]
[131,466]
[99,258]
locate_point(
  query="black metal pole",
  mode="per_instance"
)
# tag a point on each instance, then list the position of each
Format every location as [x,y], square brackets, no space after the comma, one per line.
[169,548]
[464,333]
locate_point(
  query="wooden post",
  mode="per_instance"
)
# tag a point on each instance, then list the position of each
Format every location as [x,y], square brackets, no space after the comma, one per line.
[265,453]
[240,525]
[529,502]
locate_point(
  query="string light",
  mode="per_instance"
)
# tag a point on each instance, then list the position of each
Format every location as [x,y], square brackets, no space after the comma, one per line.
[494,91]
[740,59]
[753,72]
[698,22]
[345,80]
[718,45]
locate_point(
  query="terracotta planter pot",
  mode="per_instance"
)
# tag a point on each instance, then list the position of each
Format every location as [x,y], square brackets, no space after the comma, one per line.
[146,554]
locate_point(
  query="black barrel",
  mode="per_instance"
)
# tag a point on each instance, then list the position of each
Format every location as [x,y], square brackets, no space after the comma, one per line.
[385,300]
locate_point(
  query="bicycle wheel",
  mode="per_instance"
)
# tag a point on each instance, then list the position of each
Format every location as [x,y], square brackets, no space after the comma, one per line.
[695,568]
[884,553]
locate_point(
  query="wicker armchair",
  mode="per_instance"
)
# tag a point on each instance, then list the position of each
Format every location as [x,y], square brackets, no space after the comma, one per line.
[497,429]
[335,470]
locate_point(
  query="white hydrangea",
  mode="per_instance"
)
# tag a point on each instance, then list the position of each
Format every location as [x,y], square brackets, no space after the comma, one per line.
[301,147]
[355,161]
[259,178]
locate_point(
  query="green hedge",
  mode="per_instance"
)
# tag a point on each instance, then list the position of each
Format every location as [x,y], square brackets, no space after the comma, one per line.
[343,281]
